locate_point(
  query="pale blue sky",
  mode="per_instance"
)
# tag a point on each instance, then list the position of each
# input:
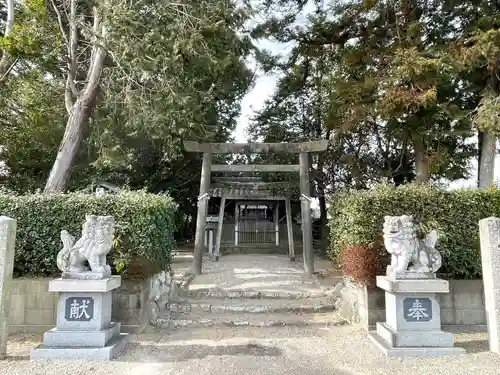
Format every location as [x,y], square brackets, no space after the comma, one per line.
[264,83]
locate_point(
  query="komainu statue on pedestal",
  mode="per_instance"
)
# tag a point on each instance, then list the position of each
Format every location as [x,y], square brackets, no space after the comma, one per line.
[401,241]
[93,246]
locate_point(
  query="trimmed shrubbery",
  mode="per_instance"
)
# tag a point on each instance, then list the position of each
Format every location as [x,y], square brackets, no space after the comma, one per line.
[357,218]
[144,226]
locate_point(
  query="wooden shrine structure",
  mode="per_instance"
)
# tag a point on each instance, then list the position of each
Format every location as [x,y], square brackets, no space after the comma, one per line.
[249,190]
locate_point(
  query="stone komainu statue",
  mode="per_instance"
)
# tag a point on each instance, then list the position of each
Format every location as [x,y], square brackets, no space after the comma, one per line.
[93,246]
[401,241]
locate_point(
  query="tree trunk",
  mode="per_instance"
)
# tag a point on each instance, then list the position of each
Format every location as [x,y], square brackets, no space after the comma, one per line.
[486,162]
[81,110]
[70,144]
[421,162]
[488,144]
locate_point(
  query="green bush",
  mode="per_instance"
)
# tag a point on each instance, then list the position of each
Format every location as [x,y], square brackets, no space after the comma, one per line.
[144,226]
[357,218]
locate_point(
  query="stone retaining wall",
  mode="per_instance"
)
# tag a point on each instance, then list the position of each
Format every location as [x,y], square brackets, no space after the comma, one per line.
[463,305]
[136,303]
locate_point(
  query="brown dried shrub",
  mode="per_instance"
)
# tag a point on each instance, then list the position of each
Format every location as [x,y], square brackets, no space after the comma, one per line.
[363,262]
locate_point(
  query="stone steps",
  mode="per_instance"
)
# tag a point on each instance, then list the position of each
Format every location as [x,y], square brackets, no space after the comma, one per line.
[252,306]
[251,291]
[279,293]
[184,320]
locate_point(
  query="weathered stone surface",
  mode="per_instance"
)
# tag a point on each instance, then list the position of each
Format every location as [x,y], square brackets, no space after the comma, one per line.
[34,308]
[84,329]
[100,319]
[489,233]
[39,317]
[95,243]
[422,286]
[413,319]
[91,286]
[463,305]
[8,228]
[253,320]
[397,316]
[401,241]
[414,338]
[256,148]
[98,339]
[286,168]
[91,354]
[255,291]
[402,352]
[226,305]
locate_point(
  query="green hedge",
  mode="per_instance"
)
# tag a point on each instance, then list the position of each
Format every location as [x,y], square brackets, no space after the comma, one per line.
[357,218]
[144,226]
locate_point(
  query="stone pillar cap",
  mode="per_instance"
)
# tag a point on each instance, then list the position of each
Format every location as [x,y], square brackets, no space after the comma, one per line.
[74,285]
[412,285]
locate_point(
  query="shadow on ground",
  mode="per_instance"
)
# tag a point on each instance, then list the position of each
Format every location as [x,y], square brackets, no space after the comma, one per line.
[17,358]
[255,357]
[474,346]
[151,333]
[178,353]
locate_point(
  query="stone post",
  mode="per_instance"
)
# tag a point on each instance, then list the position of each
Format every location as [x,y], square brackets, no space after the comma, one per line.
[220,226]
[489,235]
[276,224]
[210,242]
[7,245]
[236,219]
[289,228]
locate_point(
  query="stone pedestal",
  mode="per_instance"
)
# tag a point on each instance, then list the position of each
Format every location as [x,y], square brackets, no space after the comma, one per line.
[413,319]
[84,329]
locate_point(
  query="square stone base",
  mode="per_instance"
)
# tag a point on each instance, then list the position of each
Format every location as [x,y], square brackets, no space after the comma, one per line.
[391,351]
[414,338]
[106,353]
[60,338]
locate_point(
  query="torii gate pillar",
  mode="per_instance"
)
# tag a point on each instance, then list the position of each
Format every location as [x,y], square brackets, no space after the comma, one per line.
[201,217]
[305,205]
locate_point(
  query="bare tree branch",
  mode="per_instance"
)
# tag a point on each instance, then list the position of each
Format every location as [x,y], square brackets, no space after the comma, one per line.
[3,78]
[59,21]
[73,34]
[69,87]
[96,45]
[68,98]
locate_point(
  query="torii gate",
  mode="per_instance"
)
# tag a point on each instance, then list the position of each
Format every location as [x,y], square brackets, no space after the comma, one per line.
[208,149]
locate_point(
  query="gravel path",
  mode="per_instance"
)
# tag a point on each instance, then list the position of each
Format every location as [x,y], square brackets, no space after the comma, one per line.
[278,350]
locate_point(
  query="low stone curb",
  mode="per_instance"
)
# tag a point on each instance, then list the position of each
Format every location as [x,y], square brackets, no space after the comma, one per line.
[230,294]
[187,306]
[204,323]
